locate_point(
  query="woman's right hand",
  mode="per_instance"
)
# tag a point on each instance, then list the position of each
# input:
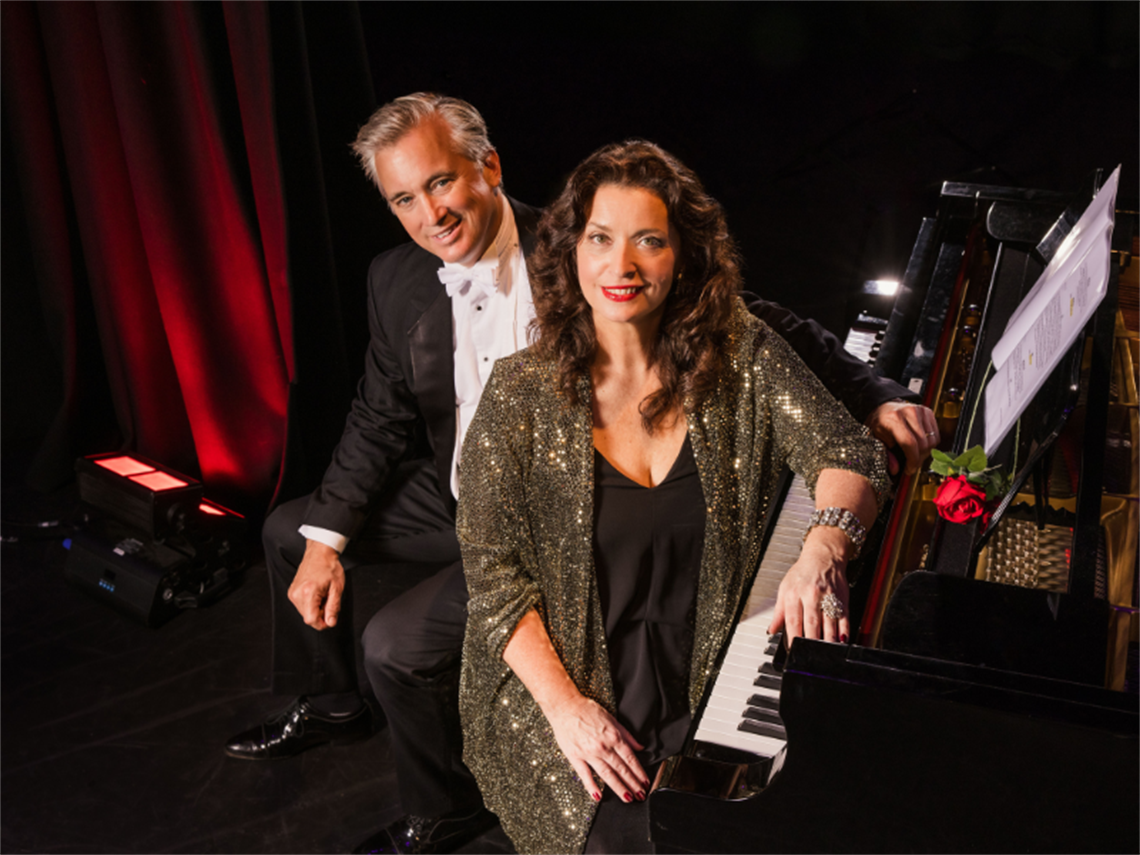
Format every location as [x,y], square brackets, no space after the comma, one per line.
[593,740]
[590,738]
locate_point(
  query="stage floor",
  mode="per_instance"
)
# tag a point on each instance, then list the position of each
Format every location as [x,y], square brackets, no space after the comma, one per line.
[112,732]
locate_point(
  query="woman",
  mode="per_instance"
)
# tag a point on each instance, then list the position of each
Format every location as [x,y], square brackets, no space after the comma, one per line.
[613,489]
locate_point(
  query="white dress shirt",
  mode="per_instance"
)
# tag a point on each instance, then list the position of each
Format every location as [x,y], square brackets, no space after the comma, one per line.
[491,309]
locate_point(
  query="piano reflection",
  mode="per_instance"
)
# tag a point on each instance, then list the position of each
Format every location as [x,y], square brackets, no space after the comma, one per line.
[989,701]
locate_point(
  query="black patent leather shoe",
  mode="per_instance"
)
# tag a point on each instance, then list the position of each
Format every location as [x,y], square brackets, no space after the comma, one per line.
[298,729]
[420,835]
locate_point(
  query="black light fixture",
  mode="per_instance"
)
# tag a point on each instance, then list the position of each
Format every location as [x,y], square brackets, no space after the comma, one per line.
[151,544]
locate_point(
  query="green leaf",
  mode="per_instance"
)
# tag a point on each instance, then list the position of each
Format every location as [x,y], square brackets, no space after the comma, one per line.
[973,459]
[940,468]
[998,483]
[936,454]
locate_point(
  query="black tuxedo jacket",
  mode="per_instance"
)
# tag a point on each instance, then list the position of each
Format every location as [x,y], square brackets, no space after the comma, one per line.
[408,387]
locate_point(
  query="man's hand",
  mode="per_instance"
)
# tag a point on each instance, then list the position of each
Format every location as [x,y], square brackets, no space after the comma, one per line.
[318,586]
[910,427]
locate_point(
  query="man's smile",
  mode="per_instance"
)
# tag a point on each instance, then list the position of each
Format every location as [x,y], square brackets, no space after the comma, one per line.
[447,233]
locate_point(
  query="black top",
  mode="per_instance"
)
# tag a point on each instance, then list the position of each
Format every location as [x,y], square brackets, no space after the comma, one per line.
[647,551]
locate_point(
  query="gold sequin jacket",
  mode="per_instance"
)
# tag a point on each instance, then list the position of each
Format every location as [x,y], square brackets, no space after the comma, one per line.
[525,525]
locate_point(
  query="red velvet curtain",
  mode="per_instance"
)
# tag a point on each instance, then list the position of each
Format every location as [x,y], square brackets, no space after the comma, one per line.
[145,137]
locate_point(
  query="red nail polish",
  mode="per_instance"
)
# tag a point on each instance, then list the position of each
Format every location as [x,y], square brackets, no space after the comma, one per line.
[641,797]
[597,797]
[627,797]
[843,638]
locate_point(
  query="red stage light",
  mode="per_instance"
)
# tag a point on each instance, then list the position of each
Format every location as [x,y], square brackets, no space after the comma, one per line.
[125,466]
[216,510]
[138,492]
[158,481]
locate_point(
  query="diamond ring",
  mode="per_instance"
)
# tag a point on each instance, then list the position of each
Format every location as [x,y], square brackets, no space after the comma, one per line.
[831,606]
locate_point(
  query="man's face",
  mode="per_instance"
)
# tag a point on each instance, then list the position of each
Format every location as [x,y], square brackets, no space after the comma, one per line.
[447,203]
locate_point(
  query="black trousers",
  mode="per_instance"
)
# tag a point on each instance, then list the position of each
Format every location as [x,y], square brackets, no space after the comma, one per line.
[411,647]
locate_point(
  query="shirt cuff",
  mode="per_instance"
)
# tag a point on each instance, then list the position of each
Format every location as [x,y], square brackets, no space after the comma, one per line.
[323,535]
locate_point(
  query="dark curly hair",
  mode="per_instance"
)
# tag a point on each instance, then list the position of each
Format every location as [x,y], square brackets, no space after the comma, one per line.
[690,341]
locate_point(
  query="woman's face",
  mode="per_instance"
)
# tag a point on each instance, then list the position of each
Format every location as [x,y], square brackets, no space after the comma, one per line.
[626,256]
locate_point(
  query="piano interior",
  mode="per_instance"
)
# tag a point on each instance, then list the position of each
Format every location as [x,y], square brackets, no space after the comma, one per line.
[989,699]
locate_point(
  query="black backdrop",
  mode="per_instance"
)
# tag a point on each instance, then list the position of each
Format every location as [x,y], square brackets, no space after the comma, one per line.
[825,129]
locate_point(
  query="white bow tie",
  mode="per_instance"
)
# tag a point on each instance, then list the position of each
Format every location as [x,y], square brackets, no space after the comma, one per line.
[480,275]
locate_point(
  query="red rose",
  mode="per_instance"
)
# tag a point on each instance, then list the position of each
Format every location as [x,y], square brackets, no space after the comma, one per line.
[960,501]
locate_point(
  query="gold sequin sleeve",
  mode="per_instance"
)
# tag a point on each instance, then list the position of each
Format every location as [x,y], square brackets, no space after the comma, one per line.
[809,425]
[492,522]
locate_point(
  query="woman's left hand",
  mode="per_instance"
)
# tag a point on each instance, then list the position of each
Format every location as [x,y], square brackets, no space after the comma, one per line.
[820,571]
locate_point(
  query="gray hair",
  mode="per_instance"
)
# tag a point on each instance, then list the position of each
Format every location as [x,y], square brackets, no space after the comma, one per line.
[389,124]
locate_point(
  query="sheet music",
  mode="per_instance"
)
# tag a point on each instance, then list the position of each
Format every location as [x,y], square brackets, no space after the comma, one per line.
[1052,315]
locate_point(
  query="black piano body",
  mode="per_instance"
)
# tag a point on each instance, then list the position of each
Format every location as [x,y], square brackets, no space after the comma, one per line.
[968,715]
[889,752]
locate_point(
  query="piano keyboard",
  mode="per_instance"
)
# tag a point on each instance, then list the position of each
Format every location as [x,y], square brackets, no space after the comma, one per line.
[743,710]
[865,338]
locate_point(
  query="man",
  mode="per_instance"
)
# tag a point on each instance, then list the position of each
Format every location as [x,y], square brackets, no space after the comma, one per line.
[436,332]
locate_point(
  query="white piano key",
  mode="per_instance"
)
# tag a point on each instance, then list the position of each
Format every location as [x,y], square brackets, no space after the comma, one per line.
[741,741]
[750,664]
[752,645]
[728,724]
[764,606]
[785,549]
[752,631]
[739,670]
[758,618]
[750,641]
[782,554]
[742,690]
[761,745]
[742,675]
[759,600]
[727,732]
[771,573]
[756,623]
[727,717]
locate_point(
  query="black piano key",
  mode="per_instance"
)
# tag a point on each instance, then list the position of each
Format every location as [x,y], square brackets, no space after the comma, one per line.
[757,714]
[768,681]
[780,653]
[764,702]
[761,728]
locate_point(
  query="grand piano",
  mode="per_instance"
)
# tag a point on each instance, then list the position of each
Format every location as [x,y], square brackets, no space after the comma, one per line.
[989,700]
